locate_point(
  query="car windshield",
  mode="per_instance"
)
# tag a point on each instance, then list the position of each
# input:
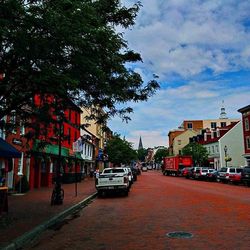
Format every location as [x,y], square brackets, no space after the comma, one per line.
[113,171]
[223,170]
[246,170]
[204,170]
[239,170]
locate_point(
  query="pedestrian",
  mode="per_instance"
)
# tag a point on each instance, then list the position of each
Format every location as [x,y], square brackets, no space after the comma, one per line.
[96,173]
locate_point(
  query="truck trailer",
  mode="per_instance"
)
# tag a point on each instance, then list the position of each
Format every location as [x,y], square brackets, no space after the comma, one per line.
[172,165]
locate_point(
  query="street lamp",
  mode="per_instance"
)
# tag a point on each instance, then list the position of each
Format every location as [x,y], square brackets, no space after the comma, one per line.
[225,150]
[58,192]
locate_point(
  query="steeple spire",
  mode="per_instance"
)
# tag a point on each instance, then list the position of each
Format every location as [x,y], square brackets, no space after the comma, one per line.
[140,144]
[223,114]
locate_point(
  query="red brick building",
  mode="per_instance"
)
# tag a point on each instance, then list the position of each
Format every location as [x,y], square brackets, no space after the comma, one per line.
[245,111]
[38,164]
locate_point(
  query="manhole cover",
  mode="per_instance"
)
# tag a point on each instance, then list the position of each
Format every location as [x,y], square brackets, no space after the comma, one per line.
[179,235]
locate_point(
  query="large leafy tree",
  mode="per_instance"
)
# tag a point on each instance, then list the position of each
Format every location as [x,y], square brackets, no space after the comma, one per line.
[71,49]
[160,153]
[198,153]
[120,150]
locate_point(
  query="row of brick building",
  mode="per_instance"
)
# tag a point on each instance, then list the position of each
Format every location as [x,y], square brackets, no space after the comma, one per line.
[226,140]
[22,158]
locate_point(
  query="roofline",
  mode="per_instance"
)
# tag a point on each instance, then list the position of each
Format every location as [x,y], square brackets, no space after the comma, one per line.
[246,108]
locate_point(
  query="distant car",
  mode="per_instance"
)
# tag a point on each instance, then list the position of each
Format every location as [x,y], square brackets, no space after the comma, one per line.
[144,167]
[230,174]
[200,173]
[130,175]
[134,172]
[245,176]
[149,167]
[191,172]
[185,171]
[212,175]
[235,178]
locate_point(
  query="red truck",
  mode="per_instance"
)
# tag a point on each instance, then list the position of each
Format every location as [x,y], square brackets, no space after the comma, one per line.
[172,165]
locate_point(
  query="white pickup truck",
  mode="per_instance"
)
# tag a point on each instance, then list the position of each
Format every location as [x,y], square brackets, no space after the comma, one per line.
[112,179]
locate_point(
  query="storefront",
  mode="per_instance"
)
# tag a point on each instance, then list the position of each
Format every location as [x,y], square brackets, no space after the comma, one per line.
[44,162]
[7,153]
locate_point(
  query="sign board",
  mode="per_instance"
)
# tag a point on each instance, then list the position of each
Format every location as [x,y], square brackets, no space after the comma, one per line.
[77,145]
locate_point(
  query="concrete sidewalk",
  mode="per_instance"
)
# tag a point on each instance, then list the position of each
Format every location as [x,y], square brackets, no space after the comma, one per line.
[33,208]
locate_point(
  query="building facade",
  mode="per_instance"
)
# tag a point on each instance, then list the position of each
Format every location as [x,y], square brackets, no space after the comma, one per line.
[245,111]
[224,146]
[182,140]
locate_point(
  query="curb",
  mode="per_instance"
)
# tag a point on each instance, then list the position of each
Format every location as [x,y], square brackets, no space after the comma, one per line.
[19,242]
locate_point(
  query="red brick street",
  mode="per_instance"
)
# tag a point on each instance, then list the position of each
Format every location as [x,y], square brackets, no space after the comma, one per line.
[217,215]
[33,208]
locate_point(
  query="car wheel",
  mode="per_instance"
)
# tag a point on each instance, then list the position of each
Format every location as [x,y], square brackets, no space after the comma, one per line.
[100,194]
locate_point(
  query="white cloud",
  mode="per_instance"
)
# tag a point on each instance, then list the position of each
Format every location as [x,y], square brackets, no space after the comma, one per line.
[200,49]
[187,37]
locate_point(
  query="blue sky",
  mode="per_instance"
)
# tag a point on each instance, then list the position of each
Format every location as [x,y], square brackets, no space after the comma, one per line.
[201,52]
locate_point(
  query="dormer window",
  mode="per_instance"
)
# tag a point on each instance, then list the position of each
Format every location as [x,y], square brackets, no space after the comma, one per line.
[213,125]
[190,125]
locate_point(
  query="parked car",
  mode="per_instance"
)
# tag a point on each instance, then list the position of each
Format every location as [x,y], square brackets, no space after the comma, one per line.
[245,176]
[226,172]
[200,173]
[212,175]
[235,178]
[134,172]
[191,172]
[144,167]
[149,167]
[130,175]
[185,171]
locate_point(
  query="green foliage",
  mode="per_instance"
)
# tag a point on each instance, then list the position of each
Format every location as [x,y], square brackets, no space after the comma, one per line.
[141,154]
[198,153]
[160,153]
[72,50]
[120,151]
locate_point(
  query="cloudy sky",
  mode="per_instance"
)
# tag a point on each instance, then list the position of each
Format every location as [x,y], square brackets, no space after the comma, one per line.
[201,52]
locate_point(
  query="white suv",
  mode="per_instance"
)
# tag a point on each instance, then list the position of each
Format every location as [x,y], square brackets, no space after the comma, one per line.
[226,173]
[201,173]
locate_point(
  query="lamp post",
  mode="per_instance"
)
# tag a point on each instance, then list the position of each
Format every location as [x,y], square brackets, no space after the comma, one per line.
[225,150]
[58,192]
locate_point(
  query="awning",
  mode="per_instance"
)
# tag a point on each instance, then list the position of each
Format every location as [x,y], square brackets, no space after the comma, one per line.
[54,150]
[8,151]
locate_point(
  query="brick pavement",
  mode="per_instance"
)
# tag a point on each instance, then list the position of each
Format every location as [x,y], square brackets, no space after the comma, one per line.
[217,215]
[33,208]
